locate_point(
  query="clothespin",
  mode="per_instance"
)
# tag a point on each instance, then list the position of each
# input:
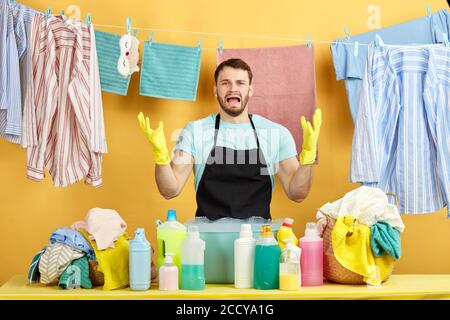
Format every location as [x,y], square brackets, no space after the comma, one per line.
[378,41]
[62,12]
[199,44]
[347,32]
[128,24]
[356,48]
[151,38]
[428,10]
[88,19]
[48,12]
[308,41]
[446,41]
[135,32]
[220,46]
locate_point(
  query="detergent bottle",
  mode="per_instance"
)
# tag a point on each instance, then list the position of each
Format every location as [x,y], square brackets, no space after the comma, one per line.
[139,261]
[311,259]
[290,272]
[168,274]
[193,260]
[267,261]
[286,232]
[170,236]
[244,258]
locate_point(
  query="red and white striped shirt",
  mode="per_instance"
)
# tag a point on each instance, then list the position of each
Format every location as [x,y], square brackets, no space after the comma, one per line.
[63,127]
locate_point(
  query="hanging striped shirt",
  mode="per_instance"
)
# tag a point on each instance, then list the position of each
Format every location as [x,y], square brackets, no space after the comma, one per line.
[63,115]
[397,146]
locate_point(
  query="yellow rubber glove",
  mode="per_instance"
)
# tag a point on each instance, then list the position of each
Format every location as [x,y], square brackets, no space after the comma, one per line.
[156,139]
[310,137]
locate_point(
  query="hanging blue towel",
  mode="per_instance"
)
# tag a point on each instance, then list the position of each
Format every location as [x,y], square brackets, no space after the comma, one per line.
[170,71]
[385,240]
[108,52]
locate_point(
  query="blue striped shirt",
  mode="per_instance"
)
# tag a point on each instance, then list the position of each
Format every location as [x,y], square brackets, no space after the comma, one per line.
[401,139]
[14,25]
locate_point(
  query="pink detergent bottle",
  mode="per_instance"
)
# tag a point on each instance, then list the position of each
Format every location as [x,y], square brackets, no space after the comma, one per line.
[311,260]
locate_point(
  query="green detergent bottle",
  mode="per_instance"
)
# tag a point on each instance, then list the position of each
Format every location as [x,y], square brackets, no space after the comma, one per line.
[267,261]
[170,236]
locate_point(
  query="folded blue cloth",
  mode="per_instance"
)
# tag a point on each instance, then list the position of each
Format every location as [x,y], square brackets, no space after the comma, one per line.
[170,71]
[73,239]
[33,271]
[385,240]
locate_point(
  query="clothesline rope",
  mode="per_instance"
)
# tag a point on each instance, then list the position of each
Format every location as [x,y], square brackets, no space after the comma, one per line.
[226,35]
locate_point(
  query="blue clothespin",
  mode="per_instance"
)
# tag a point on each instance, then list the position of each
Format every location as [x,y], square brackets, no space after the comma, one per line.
[128,24]
[308,41]
[199,44]
[378,41]
[220,46]
[135,32]
[356,48]
[48,12]
[446,41]
[62,12]
[347,32]
[428,10]
[88,19]
[151,38]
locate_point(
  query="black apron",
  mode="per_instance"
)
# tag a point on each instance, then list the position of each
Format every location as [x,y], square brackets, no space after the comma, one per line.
[235,183]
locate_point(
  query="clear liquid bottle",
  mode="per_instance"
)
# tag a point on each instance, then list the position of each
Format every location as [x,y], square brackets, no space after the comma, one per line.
[168,274]
[193,259]
[267,261]
[312,256]
[244,258]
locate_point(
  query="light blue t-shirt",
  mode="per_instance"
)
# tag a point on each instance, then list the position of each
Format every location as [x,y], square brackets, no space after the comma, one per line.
[349,63]
[197,139]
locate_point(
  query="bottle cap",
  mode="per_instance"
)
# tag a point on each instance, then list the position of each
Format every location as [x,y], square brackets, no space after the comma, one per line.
[287,222]
[169,258]
[139,235]
[193,232]
[171,215]
[246,230]
[311,230]
[266,231]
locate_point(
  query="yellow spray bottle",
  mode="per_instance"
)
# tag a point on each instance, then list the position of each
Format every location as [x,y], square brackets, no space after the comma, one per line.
[286,232]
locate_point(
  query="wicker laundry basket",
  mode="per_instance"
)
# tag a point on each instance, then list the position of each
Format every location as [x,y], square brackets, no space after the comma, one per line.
[332,269]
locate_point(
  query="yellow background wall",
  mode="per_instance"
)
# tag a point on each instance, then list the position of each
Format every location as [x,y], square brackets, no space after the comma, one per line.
[30,211]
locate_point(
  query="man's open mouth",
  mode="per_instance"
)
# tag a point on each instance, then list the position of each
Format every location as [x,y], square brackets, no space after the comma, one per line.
[233,99]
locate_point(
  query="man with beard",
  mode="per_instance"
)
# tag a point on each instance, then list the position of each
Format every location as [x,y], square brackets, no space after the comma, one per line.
[234,155]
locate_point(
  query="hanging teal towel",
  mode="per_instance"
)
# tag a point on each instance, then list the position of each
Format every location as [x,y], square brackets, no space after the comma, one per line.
[170,71]
[108,52]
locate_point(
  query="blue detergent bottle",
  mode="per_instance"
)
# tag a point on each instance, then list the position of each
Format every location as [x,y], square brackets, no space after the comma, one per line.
[267,261]
[140,261]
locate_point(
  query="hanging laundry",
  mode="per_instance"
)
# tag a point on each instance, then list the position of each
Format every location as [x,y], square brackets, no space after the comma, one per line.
[284,84]
[108,48]
[76,275]
[104,226]
[113,262]
[73,239]
[350,66]
[63,113]
[385,240]
[401,138]
[170,71]
[56,258]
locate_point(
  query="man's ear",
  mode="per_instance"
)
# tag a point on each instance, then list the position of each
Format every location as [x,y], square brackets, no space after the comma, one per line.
[250,91]
[215,90]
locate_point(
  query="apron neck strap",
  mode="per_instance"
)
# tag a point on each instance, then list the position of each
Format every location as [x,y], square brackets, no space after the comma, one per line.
[217,125]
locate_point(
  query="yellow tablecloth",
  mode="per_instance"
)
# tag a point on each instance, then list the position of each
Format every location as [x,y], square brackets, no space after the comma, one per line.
[397,287]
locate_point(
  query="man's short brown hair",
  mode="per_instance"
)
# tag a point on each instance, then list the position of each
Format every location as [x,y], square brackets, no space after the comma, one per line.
[235,64]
